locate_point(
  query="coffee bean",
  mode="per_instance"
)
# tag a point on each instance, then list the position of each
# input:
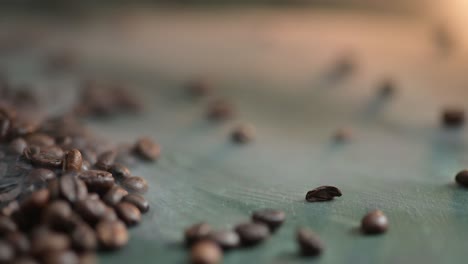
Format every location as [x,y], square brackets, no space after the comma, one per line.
[309,243]
[24,260]
[46,159]
[220,110]
[6,226]
[91,210]
[114,195]
[7,253]
[23,127]
[375,222]
[54,189]
[36,201]
[88,258]
[243,134]
[147,149]
[54,151]
[72,188]
[252,233]
[206,252]
[462,178]
[83,238]
[44,241]
[73,161]
[57,215]
[29,151]
[61,257]
[128,213]
[196,233]
[19,242]
[17,146]
[40,175]
[270,217]
[323,193]
[135,184]
[226,239]
[453,117]
[199,88]
[97,180]
[40,140]
[4,128]
[9,209]
[120,172]
[106,160]
[110,214]
[137,200]
[112,234]
[89,156]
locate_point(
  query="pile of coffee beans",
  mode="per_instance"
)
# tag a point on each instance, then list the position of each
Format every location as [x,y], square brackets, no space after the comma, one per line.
[207,244]
[64,193]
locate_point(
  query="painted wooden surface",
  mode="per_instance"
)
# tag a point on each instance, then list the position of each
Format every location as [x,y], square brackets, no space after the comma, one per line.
[273,66]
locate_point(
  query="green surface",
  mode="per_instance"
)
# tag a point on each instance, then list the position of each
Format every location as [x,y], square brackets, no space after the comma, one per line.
[271,65]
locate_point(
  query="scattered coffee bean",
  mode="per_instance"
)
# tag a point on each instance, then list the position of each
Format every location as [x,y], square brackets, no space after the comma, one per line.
[40,175]
[36,201]
[206,252]
[110,214]
[252,233]
[128,213]
[61,257]
[112,234]
[57,215]
[135,184]
[88,258]
[6,226]
[137,200]
[323,193]
[97,180]
[9,209]
[73,161]
[44,241]
[462,178]
[19,242]
[309,242]
[46,159]
[226,239]
[453,117]
[7,253]
[147,149]
[17,146]
[83,238]
[220,110]
[114,195]
[375,222]
[243,134]
[196,233]
[72,188]
[106,160]
[91,210]
[120,172]
[270,217]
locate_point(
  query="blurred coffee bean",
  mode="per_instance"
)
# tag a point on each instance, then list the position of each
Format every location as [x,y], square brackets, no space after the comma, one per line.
[83,238]
[72,188]
[19,242]
[375,222]
[97,180]
[226,239]
[61,257]
[252,233]
[309,242]
[114,195]
[137,200]
[40,140]
[128,213]
[57,215]
[7,252]
[7,226]
[44,241]
[112,234]
[91,210]
[147,149]
[106,160]
[243,134]
[453,117]
[270,217]
[196,233]
[206,252]
[40,175]
[135,184]
[120,172]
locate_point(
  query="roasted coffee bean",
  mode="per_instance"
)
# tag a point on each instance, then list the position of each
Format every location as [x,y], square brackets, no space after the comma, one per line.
[112,234]
[342,135]
[206,252]
[46,159]
[23,127]
[6,226]
[91,210]
[40,140]
[54,151]
[88,258]
[73,161]
[120,172]
[196,233]
[309,243]
[199,88]
[54,189]
[323,193]
[110,214]
[270,217]
[93,196]
[40,175]
[135,184]
[128,213]
[243,134]
[114,195]
[83,238]
[137,200]
[19,242]
[462,178]
[57,215]
[147,149]
[106,160]
[375,222]
[7,252]
[61,257]
[252,233]
[29,151]
[9,209]
[44,241]
[24,260]
[36,201]
[220,110]
[72,188]
[226,239]
[4,128]
[453,117]
[97,180]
